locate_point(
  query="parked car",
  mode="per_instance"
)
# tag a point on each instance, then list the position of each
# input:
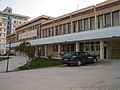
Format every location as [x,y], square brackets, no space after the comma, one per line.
[78,58]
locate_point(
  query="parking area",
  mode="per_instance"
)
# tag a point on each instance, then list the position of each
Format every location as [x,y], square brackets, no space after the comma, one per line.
[103,75]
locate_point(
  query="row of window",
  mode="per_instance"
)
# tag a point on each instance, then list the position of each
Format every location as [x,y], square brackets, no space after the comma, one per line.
[105,20]
[2,46]
[109,19]
[2,35]
[18,22]
[83,47]
[102,21]
[2,29]
[2,40]
[1,24]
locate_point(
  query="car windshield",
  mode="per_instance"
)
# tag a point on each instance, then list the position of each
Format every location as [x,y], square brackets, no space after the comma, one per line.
[69,54]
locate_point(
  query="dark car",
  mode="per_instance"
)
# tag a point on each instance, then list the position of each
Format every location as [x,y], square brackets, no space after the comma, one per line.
[78,58]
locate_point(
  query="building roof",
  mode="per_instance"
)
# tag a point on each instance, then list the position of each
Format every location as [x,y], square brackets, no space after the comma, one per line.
[13,14]
[35,19]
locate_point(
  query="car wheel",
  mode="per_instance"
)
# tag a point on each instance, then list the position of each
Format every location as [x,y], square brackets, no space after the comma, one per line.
[79,63]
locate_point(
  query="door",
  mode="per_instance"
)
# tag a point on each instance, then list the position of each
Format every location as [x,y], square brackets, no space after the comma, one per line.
[105,52]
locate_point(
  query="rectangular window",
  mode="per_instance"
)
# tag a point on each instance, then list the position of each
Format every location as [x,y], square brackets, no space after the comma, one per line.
[97,46]
[74,26]
[60,29]
[69,27]
[87,46]
[86,24]
[52,30]
[92,47]
[56,29]
[0,29]
[115,18]
[100,21]
[64,28]
[0,24]
[45,32]
[92,23]
[49,32]
[80,25]
[107,20]
[55,48]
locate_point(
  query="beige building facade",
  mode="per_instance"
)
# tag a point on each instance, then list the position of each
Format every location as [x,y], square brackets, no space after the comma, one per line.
[95,29]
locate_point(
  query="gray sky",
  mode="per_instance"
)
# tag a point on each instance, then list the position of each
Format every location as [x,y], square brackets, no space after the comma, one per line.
[35,8]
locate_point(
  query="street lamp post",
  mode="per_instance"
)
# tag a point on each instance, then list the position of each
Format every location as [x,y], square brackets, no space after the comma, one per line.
[8,56]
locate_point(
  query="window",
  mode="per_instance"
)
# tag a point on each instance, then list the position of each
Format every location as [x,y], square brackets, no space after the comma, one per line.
[56,29]
[92,47]
[115,18]
[74,26]
[64,28]
[97,46]
[55,48]
[52,31]
[100,21]
[0,29]
[20,22]
[49,32]
[80,25]
[14,21]
[92,23]
[60,29]
[86,24]
[0,24]
[45,32]
[69,27]
[107,20]
[87,46]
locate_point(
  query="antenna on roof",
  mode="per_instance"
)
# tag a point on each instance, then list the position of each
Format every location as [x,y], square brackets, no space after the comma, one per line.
[77,4]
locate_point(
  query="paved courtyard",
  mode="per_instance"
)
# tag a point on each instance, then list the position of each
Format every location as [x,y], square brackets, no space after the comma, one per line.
[14,62]
[103,75]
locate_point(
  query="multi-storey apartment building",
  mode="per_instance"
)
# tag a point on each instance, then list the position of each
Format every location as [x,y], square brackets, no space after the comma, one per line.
[8,22]
[95,29]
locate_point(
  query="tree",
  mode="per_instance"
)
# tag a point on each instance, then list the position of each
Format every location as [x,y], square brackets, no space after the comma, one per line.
[27,49]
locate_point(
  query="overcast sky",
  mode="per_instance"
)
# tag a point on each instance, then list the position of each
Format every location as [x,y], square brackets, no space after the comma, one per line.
[35,8]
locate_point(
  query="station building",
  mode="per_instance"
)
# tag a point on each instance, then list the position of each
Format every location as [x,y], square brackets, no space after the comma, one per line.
[94,29]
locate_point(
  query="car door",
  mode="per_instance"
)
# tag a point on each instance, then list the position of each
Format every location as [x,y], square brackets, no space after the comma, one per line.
[88,57]
[83,58]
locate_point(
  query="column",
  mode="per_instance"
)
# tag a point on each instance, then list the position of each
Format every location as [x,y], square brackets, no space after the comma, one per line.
[96,25]
[111,19]
[77,26]
[36,51]
[71,23]
[88,23]
[96,22]
[119,17]
[83,25]
[77,47]
[103,21]
[59,50]
[45,48]
[101,49]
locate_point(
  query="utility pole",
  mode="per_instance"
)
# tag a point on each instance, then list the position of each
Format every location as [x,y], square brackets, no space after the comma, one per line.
[8,56]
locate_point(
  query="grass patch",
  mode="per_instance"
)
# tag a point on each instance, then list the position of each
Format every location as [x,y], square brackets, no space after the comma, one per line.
[40,63]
